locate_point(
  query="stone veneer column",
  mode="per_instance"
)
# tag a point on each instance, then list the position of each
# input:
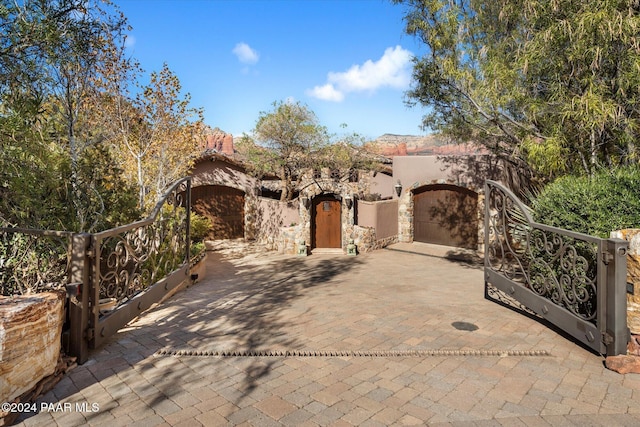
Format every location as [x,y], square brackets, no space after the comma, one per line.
[405,216]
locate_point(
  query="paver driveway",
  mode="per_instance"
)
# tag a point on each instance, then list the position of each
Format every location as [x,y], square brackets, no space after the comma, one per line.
[400,337]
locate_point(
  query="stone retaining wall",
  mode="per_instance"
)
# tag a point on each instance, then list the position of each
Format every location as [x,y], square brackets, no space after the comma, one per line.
[366,241]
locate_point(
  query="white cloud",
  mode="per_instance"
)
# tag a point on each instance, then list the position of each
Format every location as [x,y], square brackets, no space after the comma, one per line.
[327,93]
[245,54]
[391,70]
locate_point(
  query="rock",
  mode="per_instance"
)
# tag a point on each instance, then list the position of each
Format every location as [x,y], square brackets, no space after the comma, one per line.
[634,346]
[391,145]
[30,331]
[623,364]
[220,141]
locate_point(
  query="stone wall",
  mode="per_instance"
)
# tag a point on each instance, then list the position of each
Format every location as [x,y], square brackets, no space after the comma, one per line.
[633,276]
[271,216]
[366,240]
[288,240]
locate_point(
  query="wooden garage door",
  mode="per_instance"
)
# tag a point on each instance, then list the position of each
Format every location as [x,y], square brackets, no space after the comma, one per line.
[326,231]
[224,206]
[446,215]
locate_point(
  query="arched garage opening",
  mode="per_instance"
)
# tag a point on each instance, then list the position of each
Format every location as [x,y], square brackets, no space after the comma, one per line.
[445,214]
[224,206]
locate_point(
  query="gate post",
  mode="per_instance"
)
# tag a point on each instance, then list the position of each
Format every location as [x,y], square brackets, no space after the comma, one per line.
[79,307]
[617,333]
[188,225]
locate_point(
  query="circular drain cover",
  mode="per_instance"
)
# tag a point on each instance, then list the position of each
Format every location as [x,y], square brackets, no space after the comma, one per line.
[464,326]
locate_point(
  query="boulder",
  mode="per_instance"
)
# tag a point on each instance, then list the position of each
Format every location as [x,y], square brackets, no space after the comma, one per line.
[623,364]
[30,340]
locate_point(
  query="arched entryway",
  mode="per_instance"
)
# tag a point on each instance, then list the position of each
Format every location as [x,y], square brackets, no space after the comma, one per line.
[445,214]
[224,206]
[326,222]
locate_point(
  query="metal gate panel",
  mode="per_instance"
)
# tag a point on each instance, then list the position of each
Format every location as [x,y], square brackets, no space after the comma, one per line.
[569,279]
[135,265]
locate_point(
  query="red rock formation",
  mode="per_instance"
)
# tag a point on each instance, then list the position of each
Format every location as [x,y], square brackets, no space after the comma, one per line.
[428,145]
[220,141]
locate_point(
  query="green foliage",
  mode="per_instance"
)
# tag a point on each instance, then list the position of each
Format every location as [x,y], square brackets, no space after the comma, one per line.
[200,228]
[197,248]
[289,141]
[551,87]
[595,205]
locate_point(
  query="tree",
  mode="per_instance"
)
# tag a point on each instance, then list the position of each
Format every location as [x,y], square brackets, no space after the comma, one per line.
[159,135]
[287,139]
[551,87]
[50,53]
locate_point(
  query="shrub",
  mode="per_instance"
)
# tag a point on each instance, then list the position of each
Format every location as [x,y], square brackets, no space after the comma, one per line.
[200,227]
[564,269]
[594,205]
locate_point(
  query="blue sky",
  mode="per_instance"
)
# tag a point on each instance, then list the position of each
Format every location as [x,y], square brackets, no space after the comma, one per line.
[348,60]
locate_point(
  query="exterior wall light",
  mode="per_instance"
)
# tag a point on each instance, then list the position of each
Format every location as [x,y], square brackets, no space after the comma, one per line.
[398,188]
[349,202]
[305,202]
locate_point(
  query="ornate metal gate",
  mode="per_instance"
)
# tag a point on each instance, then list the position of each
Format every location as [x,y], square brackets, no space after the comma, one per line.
[110,276]
[121,272]
[575,281]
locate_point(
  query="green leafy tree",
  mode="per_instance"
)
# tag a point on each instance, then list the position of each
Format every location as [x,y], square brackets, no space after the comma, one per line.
[289,141]
[551,87]
[49,51]
[286,140]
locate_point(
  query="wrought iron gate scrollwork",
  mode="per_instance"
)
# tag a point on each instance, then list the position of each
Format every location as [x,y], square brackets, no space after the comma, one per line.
[136,264]
[556,274]
[131,259]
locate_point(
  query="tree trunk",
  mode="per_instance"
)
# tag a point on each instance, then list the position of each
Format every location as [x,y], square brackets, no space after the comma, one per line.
[286,185]
[140,182]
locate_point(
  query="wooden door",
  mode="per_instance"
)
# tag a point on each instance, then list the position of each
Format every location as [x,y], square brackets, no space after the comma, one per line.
[224,206]
[326,231]
[446,215]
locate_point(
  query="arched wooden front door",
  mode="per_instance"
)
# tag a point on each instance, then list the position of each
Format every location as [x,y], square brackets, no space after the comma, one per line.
[326,229]
[224,206]
[446,215]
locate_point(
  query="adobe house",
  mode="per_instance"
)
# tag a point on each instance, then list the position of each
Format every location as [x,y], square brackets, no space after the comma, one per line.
[432,199]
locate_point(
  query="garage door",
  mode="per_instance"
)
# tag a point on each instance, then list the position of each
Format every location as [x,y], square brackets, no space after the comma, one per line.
[446,215]
[224,206]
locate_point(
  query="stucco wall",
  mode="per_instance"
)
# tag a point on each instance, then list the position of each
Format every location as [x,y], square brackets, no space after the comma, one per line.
[271,216]
[465,171]
[381,184]
[381,216]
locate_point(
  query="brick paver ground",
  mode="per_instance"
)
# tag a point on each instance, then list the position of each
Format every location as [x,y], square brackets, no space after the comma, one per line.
[392,312]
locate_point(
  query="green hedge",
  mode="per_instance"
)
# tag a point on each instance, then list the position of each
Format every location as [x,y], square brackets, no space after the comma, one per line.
[594,205]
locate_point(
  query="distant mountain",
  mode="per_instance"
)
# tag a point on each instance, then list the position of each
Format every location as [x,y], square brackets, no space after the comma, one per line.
[415,145]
